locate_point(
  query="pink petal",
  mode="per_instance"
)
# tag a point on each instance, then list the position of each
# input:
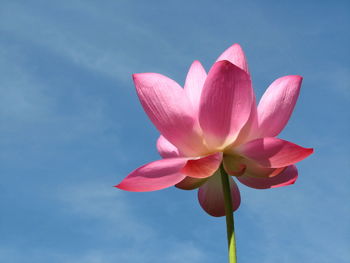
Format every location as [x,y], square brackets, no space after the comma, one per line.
[203,167]
[168,107]
[253,169]
[166,149]
[155,175]
[190,183]
[273,152]
[277,104]
[194,83]
[211,196]
[236,56]
[234,165]
[249,130]
[287,177]
[225,103]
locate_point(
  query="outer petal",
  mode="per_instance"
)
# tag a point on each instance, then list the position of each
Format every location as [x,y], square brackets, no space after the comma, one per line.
[203,167]
[211,196]
[274,152]
[287,177]
[194,83]
[253,169]
[166,149]
[236,56]
[277,104]
[155,175]
[238,166]
[168,107]
[225,103]
[190,183]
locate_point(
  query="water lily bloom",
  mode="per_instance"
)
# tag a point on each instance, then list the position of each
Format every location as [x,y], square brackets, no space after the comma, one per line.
[215,120]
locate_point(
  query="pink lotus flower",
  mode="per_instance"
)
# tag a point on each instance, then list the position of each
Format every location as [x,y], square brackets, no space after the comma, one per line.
[214,119]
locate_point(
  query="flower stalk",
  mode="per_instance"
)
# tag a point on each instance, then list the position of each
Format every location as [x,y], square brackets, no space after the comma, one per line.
[230,227]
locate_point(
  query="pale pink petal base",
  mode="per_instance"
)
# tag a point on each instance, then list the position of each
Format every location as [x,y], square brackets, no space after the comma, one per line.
[155,175]
[286,177]
[211,196]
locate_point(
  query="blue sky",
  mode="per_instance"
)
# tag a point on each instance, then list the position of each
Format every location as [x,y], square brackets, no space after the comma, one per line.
[72,127]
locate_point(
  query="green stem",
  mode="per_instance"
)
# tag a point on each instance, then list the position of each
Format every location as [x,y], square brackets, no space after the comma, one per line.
[229,216]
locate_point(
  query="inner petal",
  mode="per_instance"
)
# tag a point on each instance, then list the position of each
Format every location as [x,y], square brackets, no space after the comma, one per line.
[234,164]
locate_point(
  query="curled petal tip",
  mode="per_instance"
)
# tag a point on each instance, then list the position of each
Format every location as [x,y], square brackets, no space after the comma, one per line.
[292,76]
[310,150]
[226,63]
[307,151]
[146,76]
[235,55]
[297,78]
[118,186]
[124,187]
[134,76]
[300,77]
[236,45]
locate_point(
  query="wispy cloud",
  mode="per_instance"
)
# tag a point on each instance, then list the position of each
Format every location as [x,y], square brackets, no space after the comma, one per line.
[94,49]
[23,95]
[64,67]
[108,208]
[304,217]
[130,240]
